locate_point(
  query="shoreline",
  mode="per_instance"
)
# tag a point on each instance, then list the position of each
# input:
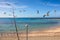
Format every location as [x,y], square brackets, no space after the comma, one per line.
[48,32]
[33,35]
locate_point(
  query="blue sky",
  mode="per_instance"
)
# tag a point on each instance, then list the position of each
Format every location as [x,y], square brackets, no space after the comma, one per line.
[30,7]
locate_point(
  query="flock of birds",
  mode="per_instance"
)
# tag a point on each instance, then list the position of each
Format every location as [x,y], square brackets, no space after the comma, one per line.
[37,12]
[47,14]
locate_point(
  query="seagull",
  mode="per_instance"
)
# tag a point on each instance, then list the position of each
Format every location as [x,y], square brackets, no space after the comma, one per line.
[37,11]
[24,10]
[44,15]
[4,12]
[20,11]
[55,12]
[48,13]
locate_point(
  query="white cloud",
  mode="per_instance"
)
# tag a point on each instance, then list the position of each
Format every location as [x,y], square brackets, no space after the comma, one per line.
[10,5]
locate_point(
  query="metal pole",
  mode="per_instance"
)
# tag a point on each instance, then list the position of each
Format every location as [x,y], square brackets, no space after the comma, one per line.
[15,25]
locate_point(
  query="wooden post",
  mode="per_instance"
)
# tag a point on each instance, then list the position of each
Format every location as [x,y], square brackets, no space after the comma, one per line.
[26,31]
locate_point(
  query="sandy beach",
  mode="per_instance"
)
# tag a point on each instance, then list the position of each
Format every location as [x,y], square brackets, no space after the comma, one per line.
[49,34]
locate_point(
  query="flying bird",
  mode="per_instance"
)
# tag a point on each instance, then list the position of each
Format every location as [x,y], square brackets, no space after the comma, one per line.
[24,10]
[8,4]
[48,13]
[37,11]
[4,12]
[20,11]
[44,15]
[55,12]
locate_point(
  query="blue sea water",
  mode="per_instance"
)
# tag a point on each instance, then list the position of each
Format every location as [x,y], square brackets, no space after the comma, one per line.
[7,24]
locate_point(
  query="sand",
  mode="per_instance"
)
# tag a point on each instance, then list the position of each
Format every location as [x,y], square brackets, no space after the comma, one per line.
[49,34]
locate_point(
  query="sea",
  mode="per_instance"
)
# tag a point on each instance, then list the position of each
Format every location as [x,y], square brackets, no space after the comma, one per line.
[34,24]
